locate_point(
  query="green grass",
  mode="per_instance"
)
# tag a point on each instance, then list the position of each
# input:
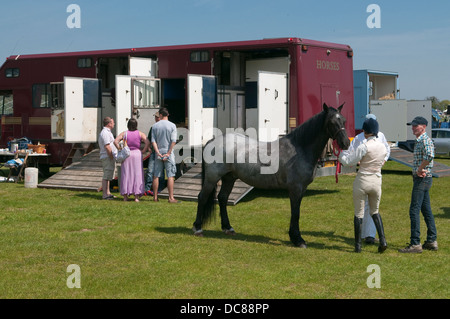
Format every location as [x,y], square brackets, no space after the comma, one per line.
[147,250]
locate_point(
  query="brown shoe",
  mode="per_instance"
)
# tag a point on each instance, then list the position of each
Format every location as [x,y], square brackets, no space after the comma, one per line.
[411,249]
[430,245]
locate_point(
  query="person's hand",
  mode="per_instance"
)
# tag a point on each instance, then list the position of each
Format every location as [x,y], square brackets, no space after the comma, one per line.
[421,173]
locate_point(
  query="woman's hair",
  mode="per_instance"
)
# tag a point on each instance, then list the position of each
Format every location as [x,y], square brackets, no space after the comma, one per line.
[132,125]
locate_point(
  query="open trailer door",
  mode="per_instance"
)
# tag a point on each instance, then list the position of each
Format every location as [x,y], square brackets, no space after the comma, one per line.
[82,108]
[142,67]
[272,105]
[202,103]
[137,97]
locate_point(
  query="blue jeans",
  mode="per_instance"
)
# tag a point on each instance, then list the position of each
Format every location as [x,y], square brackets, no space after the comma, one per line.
[420,201]
[149,175]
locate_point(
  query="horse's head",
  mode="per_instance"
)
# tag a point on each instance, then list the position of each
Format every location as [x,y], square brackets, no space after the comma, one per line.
[335,126]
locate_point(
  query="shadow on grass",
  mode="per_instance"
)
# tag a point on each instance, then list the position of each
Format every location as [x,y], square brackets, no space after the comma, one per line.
[282,193]
[446,213]
[334,240]
[97,195]
[395,172]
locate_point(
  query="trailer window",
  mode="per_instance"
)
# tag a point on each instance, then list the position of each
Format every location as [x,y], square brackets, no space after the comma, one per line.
[6,103]
[209,92]
[48,95]
[12,72]
[84,63]
[92,93]
[146,93]
[41,95]
[199,56]
[57,95]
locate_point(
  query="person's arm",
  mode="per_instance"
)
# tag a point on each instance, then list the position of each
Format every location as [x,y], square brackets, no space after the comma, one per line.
[421,172]
[146,141]
[388,148]
[109,151]
[428,156]
[170,149]
[155,148]
[117,140]
[353,157]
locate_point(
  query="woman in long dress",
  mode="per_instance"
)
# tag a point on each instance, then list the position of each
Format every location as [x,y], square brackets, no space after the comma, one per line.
[132,171]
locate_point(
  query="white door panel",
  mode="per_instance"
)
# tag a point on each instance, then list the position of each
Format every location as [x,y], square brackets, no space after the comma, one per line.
[80,125]
[201,120]
[272,105]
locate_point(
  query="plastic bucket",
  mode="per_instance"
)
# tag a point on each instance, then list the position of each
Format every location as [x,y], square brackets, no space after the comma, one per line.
[31,177]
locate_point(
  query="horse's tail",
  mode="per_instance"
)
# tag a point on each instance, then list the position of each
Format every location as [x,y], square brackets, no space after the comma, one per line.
[209,208]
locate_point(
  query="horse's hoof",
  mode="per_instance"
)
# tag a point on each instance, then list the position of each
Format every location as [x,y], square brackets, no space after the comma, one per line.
[229,232]
[301,245]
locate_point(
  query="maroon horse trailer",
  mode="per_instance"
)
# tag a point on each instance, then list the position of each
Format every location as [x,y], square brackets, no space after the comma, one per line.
[270,85]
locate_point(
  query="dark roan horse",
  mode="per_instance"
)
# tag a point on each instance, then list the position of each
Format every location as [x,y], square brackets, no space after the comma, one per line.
[293,161]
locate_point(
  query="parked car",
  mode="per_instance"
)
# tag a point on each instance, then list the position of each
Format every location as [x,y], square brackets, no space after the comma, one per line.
[441,139]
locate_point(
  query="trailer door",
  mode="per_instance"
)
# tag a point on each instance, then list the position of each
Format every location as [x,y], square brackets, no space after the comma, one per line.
[142,67]
[272,105]
[136,97]
[202,105]
[82,108]
[392,117]
[123,102]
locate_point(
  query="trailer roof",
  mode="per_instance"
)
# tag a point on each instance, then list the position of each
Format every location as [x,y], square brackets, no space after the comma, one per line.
[378,72]
[264,43]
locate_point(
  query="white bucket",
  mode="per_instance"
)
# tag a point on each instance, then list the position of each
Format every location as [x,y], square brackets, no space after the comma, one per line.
[31,177]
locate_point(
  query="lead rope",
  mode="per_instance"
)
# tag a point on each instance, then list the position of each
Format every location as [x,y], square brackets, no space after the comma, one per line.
[337,152]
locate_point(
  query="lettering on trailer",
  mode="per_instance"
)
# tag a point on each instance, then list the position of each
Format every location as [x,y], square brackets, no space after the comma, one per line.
[327,65]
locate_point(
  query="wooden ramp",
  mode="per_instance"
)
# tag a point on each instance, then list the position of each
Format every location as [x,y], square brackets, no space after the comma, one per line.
[83,174]
[406,158]
[189,184]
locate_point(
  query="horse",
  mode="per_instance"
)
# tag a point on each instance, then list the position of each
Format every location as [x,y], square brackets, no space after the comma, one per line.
[294,158]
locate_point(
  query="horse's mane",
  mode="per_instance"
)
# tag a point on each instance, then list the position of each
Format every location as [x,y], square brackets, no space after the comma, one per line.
[308,130]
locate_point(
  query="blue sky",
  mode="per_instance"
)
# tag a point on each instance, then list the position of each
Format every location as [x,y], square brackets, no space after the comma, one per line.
[414,38]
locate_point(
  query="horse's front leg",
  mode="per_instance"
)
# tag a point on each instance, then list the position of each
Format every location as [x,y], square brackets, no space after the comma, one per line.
[294,228]
[224,194]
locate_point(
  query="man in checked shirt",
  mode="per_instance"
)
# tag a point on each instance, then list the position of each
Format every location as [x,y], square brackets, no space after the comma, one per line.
[422,181]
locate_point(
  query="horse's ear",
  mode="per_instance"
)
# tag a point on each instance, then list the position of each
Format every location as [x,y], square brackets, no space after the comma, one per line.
[325,107]
[340,107]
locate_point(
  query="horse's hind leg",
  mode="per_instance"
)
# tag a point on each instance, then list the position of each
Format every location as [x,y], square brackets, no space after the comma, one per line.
[205,197]
[225,190]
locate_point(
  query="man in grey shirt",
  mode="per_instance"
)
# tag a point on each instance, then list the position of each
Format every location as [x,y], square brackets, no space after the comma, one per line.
[164,138]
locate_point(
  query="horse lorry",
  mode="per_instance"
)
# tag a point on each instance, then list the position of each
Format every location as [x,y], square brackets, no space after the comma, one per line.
[378,92]
[269,85]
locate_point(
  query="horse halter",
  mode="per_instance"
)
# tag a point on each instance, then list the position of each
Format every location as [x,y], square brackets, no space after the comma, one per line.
[333,136]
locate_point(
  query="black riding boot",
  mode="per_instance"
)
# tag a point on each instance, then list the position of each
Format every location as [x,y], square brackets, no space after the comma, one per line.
[357,222]
[380,229]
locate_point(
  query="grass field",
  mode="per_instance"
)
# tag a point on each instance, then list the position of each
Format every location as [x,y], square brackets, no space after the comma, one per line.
[147,250]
